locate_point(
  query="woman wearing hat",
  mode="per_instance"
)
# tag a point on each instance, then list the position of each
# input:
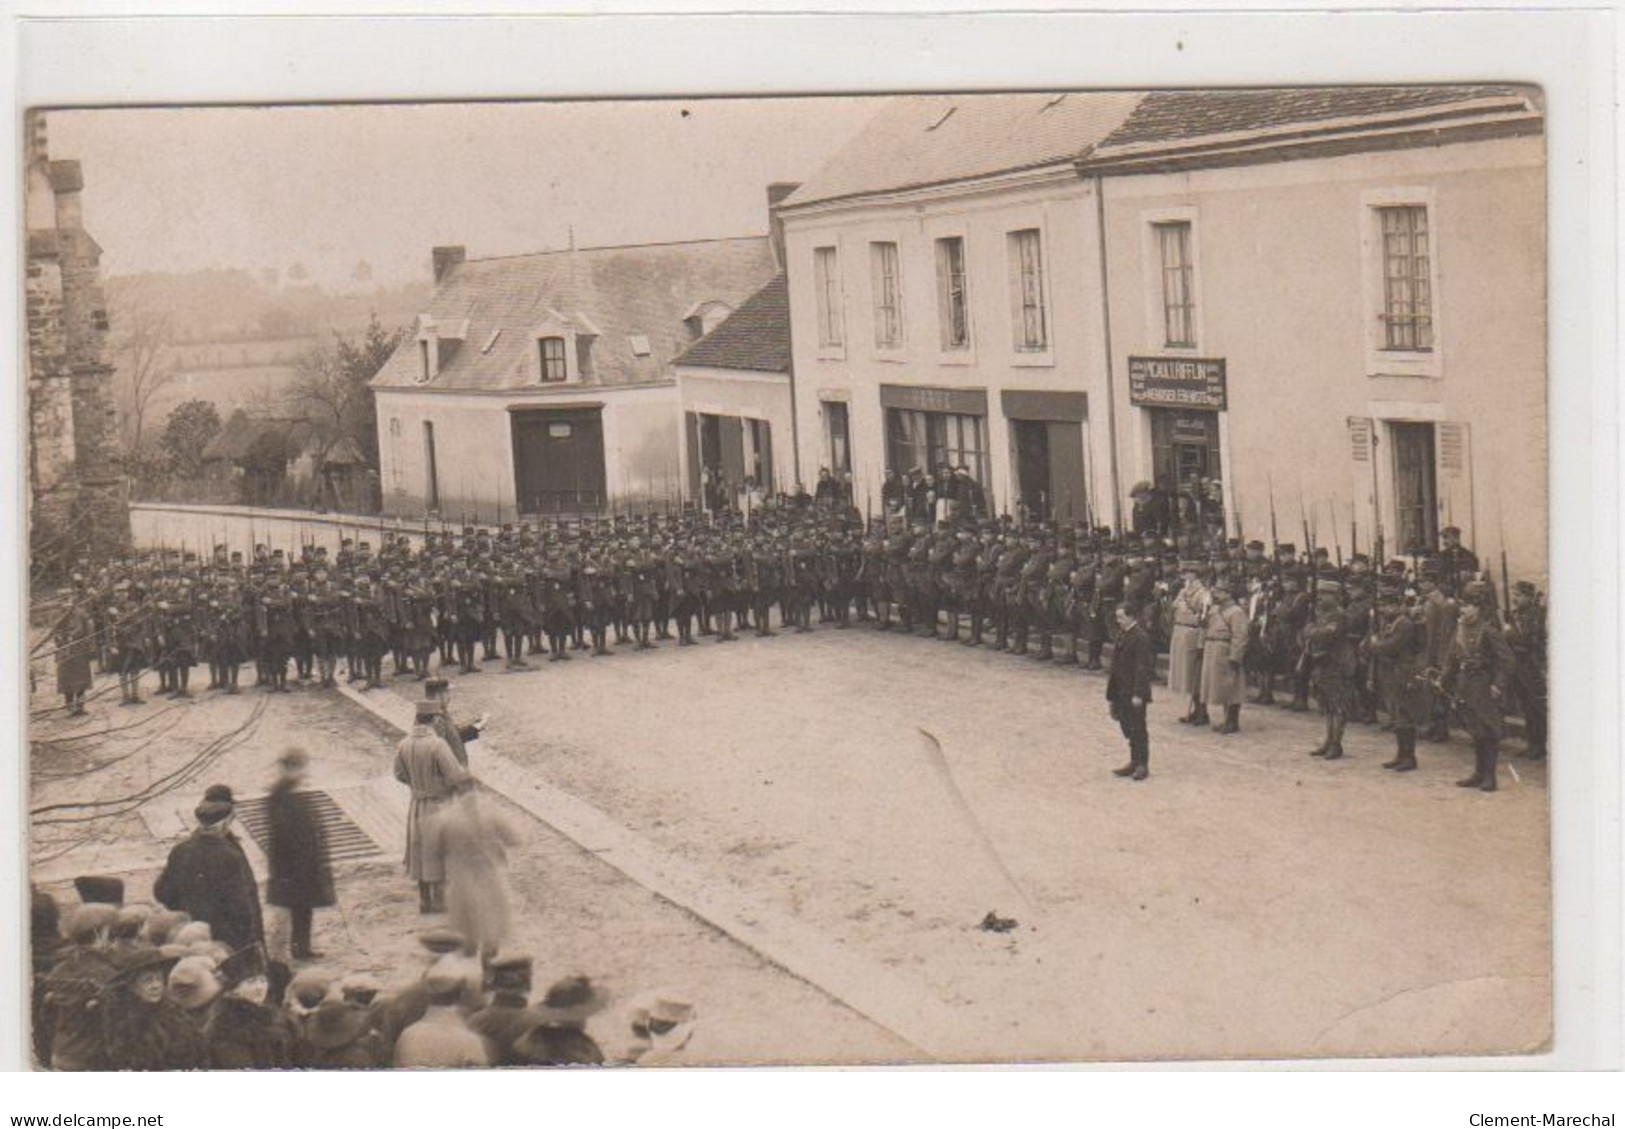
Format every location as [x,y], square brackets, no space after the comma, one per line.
[208,877]
[244,1031]
[146,1029]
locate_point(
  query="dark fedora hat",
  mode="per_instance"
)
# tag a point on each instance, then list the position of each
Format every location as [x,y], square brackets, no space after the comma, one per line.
[99,888]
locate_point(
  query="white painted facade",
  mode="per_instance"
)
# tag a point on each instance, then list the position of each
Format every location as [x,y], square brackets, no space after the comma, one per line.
[1288,293]
[1054,202]
[473,439]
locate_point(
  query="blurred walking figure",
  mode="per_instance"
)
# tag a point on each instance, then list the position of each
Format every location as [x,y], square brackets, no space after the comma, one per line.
[301,879]
[425,763]
[472,842]
[75,640]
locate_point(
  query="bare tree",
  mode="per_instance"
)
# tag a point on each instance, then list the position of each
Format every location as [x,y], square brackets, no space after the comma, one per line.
[142,340]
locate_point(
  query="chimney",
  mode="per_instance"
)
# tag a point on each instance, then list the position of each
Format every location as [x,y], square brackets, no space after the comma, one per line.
[776,194]
[67,181]
[445,258]
[37,140]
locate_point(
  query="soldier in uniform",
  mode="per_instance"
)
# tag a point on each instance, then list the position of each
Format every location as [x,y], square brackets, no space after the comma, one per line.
[1478,674]
[1439,617]
[1224,650]
[1329,657]
[229,636]
[273,632]
[369,631]
[1400,649]
[1526,636]
[324,617]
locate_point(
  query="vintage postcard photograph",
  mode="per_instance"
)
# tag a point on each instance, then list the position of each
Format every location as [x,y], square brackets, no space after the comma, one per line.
[1042,577]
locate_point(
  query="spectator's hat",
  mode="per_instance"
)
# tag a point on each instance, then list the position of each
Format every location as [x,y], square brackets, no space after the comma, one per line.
[1451,531]
[662,1017]
[85,923]
[192,983]
[193,933]
[217,805]
[442,940]
[571,1000]
[1255,546]
[510,972]
[360,988]
[100,889]
[129,920]
[308,988]
[145,958]
[1524,588]
[452,972]
[1477,592]
[245,964]
[336,1024]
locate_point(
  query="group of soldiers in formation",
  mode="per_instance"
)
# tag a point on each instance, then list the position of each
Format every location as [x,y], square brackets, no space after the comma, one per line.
[1419,643]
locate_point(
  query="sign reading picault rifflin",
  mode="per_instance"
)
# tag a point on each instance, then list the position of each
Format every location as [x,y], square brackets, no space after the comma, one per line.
[1176,382]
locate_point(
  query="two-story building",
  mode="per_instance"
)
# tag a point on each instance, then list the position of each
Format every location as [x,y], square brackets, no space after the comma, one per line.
[1333,294]
[542,384]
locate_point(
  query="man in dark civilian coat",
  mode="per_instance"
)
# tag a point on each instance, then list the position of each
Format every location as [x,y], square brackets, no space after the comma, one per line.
[1128,689]
[208,876]
[301,879]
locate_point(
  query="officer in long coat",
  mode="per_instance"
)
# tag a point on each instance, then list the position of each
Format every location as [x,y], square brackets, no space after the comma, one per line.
[425,763]
[1329,655]
[1478,674]
[1190,608]
[1224,649]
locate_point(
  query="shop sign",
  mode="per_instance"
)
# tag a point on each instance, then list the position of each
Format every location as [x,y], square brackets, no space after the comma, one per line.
[960,401]
[1174,382]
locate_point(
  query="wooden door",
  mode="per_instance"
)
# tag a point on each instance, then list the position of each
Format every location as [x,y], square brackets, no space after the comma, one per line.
[1067,484]
[1416,494]
[1033,467]
[559,460]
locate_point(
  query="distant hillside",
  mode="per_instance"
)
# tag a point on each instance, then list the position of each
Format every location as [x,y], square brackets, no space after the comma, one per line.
[239,305]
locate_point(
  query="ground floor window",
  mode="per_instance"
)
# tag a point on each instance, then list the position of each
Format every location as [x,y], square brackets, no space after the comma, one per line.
[930,441]
[838,437]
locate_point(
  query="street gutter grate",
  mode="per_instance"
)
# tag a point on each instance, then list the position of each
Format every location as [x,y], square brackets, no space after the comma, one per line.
[345,840]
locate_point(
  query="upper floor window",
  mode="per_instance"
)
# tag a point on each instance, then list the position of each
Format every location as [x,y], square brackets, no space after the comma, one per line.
[952,306]
[827,280]
[1407,294]
[888,292]
[552,357]
[1178,289]
[1027,291]
[425,359]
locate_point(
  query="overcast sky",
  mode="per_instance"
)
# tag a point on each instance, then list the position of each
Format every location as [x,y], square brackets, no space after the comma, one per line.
[187,189]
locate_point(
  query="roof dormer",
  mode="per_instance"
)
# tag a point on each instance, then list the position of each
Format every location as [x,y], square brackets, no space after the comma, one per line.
[561,350]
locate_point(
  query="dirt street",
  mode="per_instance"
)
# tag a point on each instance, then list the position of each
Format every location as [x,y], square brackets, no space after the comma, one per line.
[575,914]
[1248,900]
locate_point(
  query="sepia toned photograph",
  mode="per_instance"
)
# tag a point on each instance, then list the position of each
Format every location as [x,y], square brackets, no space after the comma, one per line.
[1128,508]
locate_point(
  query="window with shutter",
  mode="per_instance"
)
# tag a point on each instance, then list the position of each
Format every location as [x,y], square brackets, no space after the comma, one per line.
[888,296]
[952,305]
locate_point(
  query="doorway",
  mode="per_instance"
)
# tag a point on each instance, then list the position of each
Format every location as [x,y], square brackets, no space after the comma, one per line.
[1050,480]
[559,461]
[1416,487]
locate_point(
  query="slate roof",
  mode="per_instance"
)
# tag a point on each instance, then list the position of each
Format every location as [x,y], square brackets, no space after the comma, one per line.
[621,292]
[1183,115]
[915,142]
[756,336]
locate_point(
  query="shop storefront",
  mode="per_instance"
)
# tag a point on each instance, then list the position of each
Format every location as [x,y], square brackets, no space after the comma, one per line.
[931,428]
[1183,401]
